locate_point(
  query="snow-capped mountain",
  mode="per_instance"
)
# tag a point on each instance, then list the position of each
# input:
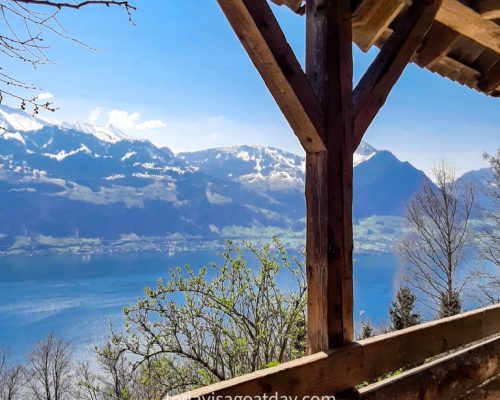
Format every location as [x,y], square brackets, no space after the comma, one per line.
[258,167]
[79,181]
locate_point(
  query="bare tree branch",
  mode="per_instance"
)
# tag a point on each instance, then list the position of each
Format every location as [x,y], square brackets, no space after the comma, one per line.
[22,38]
[434,248]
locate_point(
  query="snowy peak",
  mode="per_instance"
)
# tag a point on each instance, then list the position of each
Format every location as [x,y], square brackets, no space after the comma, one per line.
[108,134]
[259,167]
[263,168]
[363,153]
[15,121]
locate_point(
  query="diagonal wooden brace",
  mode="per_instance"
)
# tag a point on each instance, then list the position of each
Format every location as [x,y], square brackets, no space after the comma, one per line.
[266,44]
[374,88]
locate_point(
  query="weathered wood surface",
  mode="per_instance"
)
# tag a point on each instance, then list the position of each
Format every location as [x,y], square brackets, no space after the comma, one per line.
[469,23]
[375,85]
[460,36]
[371,18]
[445,378]
[490,81]
[336,370]
[259,31]
[329,240]
[438,42]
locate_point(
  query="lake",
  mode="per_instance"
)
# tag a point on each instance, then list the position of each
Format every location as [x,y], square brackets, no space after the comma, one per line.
[77,296]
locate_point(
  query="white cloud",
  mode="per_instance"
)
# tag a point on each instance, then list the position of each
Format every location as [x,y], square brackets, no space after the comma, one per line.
[130,121]
[123,120]
[45,96]
[151,124]
[94,114]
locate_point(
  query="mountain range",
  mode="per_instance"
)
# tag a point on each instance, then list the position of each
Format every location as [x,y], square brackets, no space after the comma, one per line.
[78,187]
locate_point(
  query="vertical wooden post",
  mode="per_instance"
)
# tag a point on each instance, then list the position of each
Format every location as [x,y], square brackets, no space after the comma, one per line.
[329,177]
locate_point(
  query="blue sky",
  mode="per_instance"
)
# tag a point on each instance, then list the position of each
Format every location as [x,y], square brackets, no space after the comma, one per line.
[180,78]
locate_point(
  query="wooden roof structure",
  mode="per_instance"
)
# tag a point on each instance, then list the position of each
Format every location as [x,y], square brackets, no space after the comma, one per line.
[462,45]
[460,40]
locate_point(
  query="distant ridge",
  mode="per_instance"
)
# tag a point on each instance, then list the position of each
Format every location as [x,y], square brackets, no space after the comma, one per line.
[75,181]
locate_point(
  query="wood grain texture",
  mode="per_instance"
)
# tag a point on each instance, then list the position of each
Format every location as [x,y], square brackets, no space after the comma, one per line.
[259,32]
[371,18]
[445,378]
[326,373]
[469,23]
[375,85]
[490,81]
[437,43]
[329,241]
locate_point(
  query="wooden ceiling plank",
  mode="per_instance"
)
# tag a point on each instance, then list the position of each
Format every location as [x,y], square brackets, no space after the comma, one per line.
[438,42]
[455,70]
[469,23]
[490,81]
[466,50]
[371,18]
[260,33]
[374,87]
[485,60]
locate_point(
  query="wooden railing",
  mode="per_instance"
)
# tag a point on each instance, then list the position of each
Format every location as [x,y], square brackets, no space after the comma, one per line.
[328,373]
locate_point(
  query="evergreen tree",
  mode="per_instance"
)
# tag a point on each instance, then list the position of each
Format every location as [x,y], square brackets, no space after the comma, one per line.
[402,311]
[366,330]
[451,304]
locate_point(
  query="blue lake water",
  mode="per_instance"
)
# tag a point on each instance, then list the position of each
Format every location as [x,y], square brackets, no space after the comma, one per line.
[76,296]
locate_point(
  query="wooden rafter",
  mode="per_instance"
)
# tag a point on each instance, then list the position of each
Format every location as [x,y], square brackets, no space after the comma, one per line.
[371,18]
[438,42]
[259,31]
[491,80]
[470,24]
[327,373]
[372,91]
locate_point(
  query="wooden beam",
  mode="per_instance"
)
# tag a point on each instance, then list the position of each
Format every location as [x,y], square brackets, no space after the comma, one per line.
[469,23]
[329,240]
[489,9]
[437,43]
[445,378]
[372,91]
[259,31]
[490,81]
[327,373]
[371,18]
